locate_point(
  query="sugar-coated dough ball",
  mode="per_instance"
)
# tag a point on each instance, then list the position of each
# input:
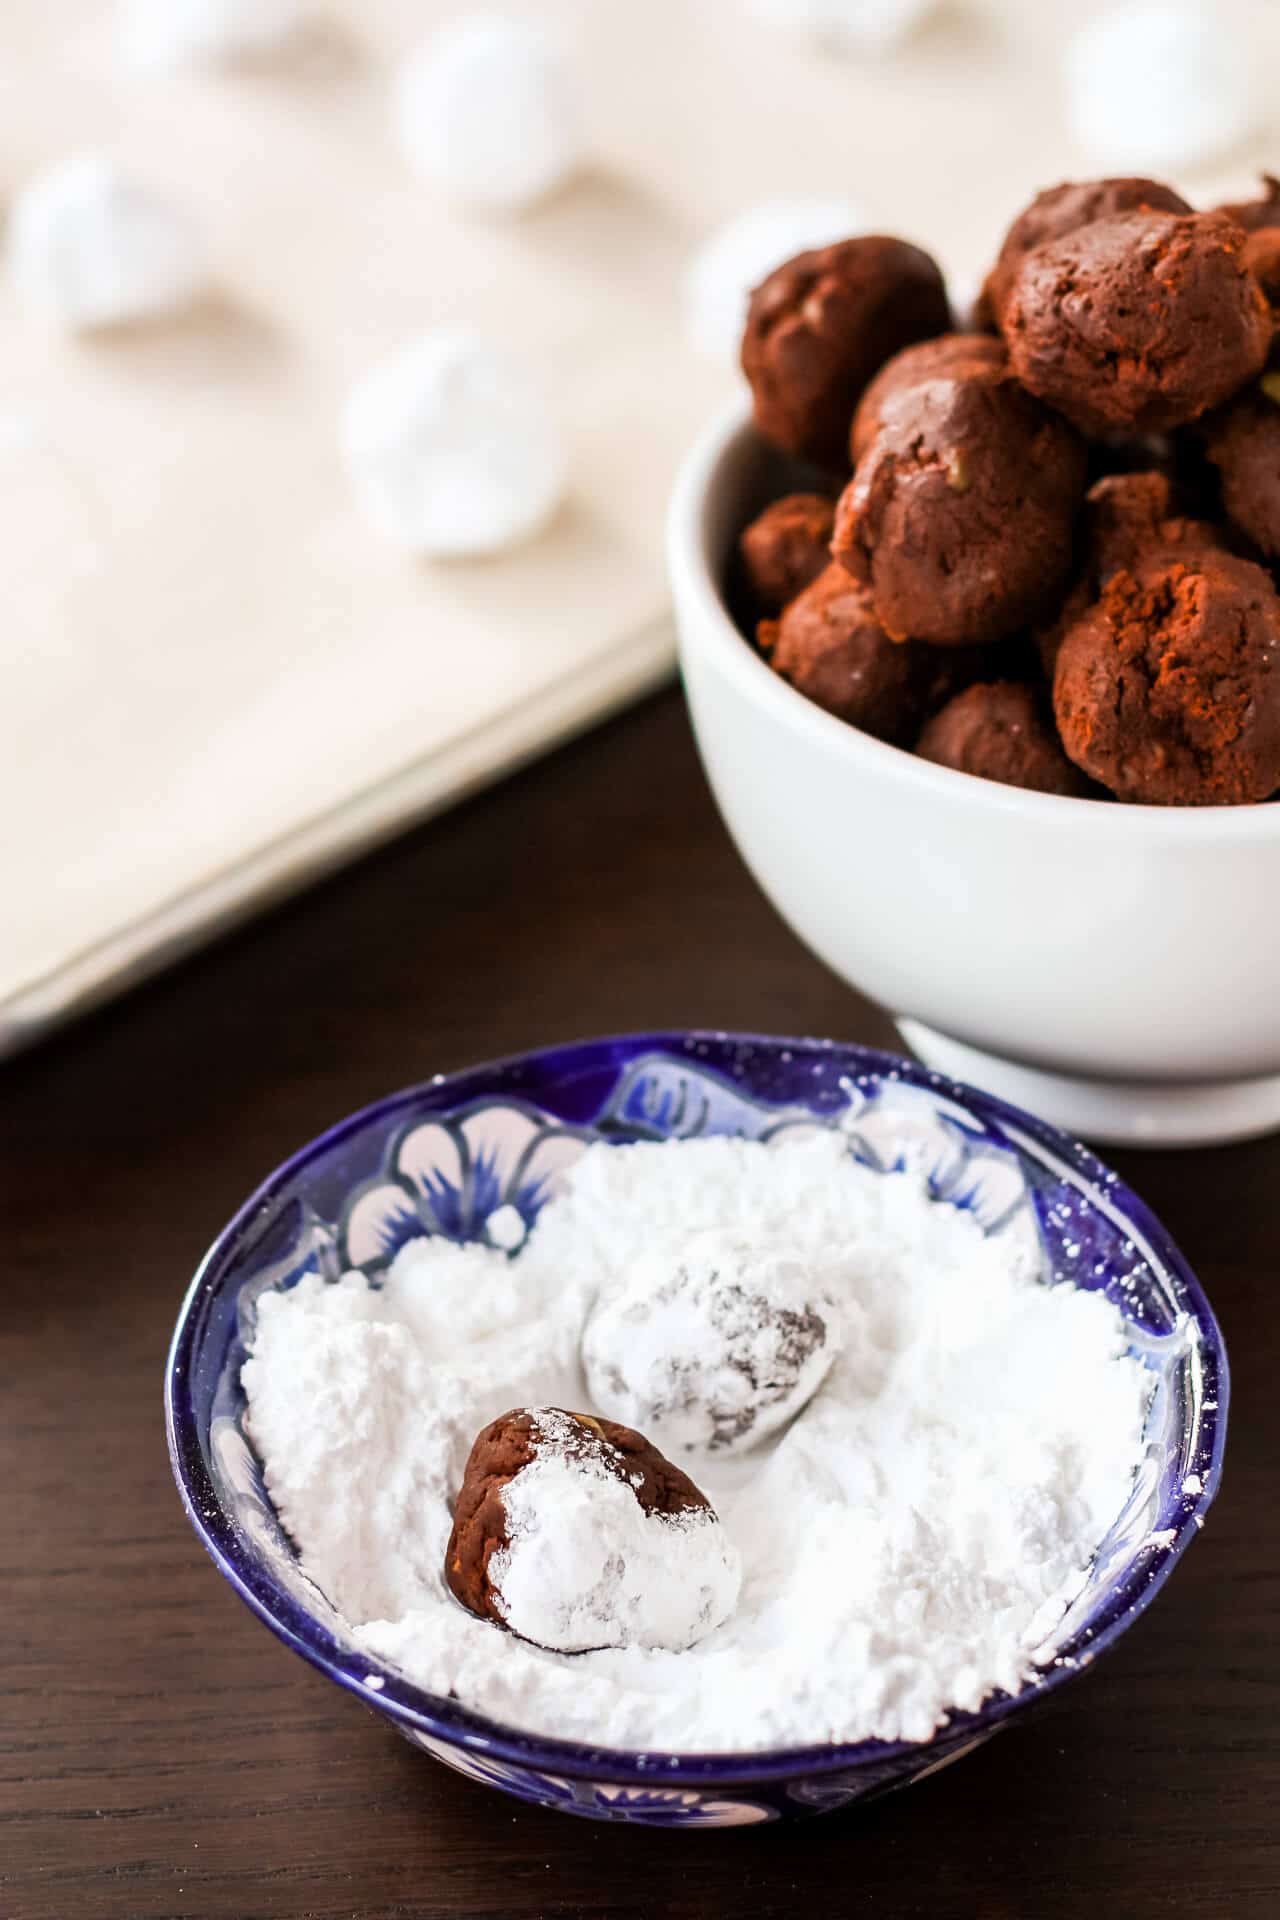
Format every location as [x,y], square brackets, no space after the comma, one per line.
[453,447]
[162,34]
[712,1349]
[732,261]
[576,1533]
[488,109]
[846,26]
[93,249]
[1159,86]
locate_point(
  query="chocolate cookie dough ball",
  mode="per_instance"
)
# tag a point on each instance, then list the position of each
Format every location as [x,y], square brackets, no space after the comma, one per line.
[950,353]
[576,1533]
[714,1348]
[1242,441]
[998,731]
[1058,211]
[786,547]
[1127,518]
[831,647]
[1262,211]
[960,513]
[1141,321]
[1167,689]
[822,324]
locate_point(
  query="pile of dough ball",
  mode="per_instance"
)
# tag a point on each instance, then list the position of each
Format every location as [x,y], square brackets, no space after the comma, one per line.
[1041,551]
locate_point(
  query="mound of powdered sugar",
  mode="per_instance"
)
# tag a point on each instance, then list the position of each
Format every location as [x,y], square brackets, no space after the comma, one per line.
[907,1543]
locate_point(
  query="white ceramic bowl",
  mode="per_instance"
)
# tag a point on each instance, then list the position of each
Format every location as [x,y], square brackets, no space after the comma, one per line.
[1112,967]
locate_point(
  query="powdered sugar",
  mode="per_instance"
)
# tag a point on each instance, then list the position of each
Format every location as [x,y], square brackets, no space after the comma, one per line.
[907,1544]
[585,1566]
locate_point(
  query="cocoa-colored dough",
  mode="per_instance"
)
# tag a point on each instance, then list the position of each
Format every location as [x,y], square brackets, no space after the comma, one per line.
[998,731]
[1262,211]
[1127,517]
[1262,257]
[1242,441]
[822,324]
[1140,321]
[1058,211]
[508,1444]
[981,317]
[1130,515]
[950,353]
[831,647]
[1167,689]
[786,547]
[959,516]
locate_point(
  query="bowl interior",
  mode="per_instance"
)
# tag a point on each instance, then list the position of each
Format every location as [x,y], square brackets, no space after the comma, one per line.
[442,1157]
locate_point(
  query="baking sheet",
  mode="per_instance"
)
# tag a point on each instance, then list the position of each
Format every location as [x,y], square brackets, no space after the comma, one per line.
[217,680]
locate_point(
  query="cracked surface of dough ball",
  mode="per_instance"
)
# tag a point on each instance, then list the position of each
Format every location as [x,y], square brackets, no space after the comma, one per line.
[1167,689]
[1127,518]
[1058,211]
[1141,321]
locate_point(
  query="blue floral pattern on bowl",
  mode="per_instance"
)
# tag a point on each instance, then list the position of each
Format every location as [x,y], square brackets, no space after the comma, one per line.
[477,1155]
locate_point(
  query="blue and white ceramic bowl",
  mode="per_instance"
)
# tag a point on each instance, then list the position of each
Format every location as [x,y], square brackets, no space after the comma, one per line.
[442,1158]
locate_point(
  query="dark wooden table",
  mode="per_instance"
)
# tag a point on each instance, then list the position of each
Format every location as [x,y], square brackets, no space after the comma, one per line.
[162,1755]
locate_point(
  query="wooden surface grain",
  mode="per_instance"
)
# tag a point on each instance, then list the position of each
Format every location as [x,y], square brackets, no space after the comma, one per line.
[162,1756]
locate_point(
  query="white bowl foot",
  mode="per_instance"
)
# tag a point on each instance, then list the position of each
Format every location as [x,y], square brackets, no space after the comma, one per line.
[1147,1113]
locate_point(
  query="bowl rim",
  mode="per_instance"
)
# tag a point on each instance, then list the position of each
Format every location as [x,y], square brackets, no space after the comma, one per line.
[705,626]
[419,1712]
